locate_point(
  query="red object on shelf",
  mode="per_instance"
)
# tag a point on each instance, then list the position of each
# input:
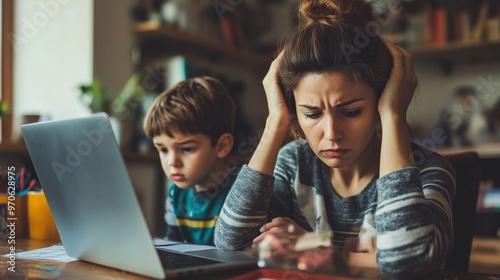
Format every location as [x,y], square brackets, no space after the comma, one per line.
[439,36]
[229,33]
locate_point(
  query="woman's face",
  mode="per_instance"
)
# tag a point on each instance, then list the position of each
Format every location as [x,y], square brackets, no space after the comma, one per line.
[338,117]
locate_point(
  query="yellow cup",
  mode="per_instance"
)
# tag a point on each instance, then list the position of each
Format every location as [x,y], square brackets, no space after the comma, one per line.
[41,222]
[15,214]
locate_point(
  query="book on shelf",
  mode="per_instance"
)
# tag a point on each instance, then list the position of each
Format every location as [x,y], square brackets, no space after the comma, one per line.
[480,26]
[414,29]
[493,25]
[493,29]
[439,27]
[425,17]
[229,32]
[233,33]
[437,23]
[462,28]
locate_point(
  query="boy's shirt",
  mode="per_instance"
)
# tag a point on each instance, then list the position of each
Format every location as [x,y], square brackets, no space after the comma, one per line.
[191,215]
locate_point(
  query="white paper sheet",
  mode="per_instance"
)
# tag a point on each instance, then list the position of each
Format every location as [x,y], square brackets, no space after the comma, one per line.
[164,242]
[57,252]
[52,253]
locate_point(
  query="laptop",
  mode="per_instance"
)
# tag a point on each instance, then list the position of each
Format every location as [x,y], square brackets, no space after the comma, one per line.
[90,195]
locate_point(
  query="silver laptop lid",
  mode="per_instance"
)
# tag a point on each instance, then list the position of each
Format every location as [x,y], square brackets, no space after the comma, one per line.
[91,197]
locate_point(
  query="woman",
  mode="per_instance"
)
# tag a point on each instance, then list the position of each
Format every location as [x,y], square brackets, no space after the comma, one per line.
[335,90]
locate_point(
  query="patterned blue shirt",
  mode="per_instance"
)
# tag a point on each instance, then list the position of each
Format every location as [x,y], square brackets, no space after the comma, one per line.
[191,215]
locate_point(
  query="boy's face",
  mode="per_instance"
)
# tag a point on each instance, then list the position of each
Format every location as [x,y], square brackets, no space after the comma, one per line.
[187,159]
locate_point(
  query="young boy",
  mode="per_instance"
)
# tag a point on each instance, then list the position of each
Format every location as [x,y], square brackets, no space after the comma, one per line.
[191,125]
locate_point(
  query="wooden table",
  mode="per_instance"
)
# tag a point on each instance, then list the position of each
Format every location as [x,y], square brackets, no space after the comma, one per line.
[485,256]
[38,269]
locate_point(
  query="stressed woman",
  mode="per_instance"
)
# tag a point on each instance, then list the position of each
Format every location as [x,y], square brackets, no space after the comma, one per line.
[353,168]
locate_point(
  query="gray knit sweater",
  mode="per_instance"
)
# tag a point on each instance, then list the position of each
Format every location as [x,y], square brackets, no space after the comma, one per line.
[410,208]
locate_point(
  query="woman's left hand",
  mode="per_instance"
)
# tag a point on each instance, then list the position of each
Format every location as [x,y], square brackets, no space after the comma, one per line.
[401,85]
[279,225]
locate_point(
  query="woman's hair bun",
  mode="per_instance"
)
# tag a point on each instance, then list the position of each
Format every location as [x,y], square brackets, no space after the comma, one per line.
[330,12]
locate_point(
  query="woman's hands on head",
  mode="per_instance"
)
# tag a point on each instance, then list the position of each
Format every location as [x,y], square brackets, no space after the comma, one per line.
[279,114]
[401,85]
[278,123]
[395,150]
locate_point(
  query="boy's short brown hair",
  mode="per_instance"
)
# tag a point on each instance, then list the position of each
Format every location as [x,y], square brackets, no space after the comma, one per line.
[197,105]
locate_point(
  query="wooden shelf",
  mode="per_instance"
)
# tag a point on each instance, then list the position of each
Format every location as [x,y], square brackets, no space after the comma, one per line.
[20,149]
[158,41]
[13,148]
[459,52]
[487,210]
[491,150]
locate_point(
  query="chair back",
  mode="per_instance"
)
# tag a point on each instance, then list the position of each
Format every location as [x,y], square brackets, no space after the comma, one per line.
[467,167]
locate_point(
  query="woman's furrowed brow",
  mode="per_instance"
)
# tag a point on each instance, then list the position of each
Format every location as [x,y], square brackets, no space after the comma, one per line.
[308,106]
[342,104]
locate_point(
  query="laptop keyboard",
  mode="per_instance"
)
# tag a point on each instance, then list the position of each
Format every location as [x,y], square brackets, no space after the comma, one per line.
[173,260]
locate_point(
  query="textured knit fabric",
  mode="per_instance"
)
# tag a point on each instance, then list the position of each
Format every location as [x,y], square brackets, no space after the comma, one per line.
[409,209]
[191,215]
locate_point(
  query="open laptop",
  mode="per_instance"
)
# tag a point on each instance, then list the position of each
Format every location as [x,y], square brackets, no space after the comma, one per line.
[81,170]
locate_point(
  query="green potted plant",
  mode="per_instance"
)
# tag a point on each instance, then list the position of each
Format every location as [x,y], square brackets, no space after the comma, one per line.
[99,99]
[122,110]
[96,97]
[127,102]
[5,113]
[125,109]
[4,108]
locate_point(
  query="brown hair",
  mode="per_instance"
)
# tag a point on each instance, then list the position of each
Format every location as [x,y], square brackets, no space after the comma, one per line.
[334,36]
[197,105]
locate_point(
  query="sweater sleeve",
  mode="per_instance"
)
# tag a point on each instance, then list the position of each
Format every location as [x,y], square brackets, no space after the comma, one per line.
[414,218]
[254,200]
[244,211]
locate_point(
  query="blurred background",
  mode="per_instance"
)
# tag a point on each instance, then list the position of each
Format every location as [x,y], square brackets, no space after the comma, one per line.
[70,58]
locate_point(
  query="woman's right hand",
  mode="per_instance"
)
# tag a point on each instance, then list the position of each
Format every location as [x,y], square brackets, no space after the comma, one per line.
[277,124]
[278,112]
